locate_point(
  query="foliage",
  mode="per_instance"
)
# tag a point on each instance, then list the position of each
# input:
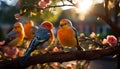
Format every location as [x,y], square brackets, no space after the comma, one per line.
[46,15]
[36,11]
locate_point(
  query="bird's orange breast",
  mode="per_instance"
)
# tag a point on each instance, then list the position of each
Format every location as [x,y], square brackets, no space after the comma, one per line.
[28,32]
[66,37]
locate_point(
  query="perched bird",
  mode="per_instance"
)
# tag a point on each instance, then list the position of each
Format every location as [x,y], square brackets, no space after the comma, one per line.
[43,37]
[16,36]
[67,34]
[29,29]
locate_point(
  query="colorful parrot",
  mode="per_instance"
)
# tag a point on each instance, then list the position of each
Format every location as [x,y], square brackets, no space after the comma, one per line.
[16,36]
[29,29]
[43,37]
[67,34]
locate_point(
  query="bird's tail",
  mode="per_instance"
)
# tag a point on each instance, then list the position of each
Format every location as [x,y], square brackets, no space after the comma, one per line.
[31,48]
[28,52]
[23,60]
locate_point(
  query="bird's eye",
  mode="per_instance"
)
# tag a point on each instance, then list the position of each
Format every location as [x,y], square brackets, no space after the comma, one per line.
[37,37]
[65,23]
[47,25]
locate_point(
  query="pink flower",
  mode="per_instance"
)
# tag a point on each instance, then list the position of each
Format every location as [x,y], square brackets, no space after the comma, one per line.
[11,52]
[17,16]
[112,40]
[93,35]
[47,1]
[42,4]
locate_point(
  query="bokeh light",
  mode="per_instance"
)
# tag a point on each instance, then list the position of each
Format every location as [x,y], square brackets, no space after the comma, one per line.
[84,5]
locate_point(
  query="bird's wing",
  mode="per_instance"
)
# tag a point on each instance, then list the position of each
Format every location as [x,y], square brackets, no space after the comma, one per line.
[76,36]
[41,36]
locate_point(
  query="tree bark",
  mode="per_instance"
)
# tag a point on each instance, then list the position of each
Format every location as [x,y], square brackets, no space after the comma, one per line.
[59,57]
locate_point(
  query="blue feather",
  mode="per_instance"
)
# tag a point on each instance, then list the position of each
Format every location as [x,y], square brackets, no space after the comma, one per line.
[41,36]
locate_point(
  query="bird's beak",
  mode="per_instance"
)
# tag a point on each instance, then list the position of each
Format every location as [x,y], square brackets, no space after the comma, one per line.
[12,33]
[61,25]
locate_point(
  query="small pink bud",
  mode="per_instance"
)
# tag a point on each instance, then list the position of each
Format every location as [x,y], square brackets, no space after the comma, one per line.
[82,35]
[55,49]
[17,16]
[2,42]
[69,66]
[54,64]
[92,35]
[104,41]
[0,56]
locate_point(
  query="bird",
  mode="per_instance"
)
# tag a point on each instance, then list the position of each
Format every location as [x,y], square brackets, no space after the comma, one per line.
[29,29]
[43,37]
[15,36]
[67,34]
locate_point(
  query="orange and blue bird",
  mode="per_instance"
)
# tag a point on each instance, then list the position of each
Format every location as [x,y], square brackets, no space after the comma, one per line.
[67,34]
[16,36]
[43,37]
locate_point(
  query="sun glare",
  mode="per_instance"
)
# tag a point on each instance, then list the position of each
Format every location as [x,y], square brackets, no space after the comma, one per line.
[84,5]
[65,7]
[99,1]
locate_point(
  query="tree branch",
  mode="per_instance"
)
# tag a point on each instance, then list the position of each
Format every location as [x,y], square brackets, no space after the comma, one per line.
[59,57]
